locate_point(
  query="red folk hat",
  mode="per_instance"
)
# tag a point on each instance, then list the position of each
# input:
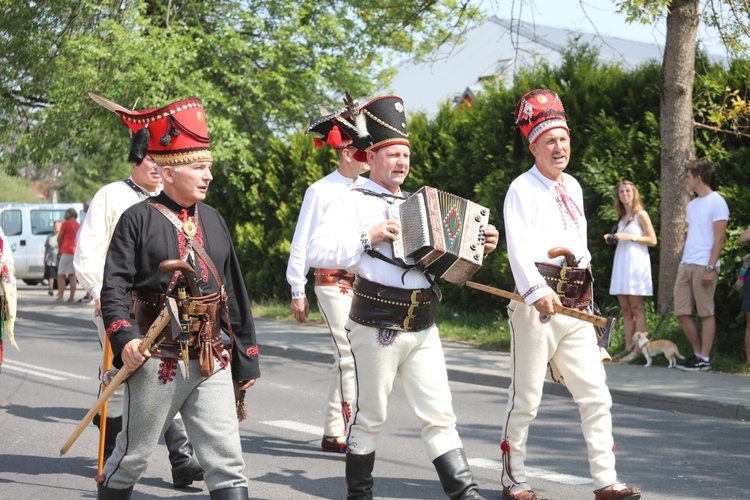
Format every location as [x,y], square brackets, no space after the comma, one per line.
[175,134]
[539,111]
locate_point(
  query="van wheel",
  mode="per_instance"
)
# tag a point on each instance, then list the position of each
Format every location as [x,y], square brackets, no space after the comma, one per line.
[32,282]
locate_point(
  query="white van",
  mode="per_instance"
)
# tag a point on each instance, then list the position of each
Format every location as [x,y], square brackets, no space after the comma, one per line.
[26,226]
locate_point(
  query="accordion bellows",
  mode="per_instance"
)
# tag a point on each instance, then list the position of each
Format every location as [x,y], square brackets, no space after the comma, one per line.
[442,233]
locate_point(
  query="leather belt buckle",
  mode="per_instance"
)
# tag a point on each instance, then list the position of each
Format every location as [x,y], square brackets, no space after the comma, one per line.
[563,281]
[410,312]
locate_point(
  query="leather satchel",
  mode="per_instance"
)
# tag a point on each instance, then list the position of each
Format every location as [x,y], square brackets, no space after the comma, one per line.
[572,284]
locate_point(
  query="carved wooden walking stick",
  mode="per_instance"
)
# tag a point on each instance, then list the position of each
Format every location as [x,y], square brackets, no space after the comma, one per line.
[106,365]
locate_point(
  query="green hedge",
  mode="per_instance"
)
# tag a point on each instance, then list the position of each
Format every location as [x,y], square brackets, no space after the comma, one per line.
[614,119]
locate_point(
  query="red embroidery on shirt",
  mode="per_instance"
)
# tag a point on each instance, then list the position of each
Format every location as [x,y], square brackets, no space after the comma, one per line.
[252,351]
[117,325]
[182,242]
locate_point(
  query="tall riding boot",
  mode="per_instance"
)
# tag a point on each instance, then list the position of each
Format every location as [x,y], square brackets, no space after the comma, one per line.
[359,480]
[114,426]
[238,493]
[185,469]
[455,476]
[104,493]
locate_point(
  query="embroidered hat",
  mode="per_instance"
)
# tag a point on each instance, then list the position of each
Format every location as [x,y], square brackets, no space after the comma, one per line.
[175,134]
[379,123]
[328,130]
[539,111]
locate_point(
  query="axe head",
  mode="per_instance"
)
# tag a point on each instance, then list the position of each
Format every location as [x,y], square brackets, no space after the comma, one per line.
[174,314]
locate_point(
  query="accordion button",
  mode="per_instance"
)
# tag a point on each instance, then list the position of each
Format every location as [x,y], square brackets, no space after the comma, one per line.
[473,247]
[478,218]
[476,256]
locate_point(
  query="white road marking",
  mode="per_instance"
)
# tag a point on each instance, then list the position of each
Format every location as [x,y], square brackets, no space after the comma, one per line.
[554,477]
[41,371]
[296,426]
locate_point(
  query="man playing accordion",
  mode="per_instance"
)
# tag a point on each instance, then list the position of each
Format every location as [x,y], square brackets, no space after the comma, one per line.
[391,323]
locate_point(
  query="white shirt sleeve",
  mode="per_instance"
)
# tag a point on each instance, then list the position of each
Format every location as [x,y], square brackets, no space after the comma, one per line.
[341,239]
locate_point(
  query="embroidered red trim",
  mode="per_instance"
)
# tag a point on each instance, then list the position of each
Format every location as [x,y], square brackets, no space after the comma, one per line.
[167,370]
[117,325]
[252,351]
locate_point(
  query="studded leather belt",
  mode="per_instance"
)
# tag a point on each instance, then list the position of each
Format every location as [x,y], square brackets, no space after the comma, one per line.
[389,307]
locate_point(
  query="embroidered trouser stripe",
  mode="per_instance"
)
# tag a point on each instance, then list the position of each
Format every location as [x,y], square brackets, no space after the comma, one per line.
[334,305]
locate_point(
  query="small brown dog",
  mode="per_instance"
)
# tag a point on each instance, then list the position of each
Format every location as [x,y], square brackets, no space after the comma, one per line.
[652,348]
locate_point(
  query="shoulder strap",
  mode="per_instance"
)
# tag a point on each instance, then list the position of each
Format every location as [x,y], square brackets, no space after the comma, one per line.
[171,217]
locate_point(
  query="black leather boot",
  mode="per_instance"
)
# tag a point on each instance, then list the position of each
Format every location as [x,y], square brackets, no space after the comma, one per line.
[104,493]
[455,476]
[359,480]
[239,493]
[185,469]
[114,426]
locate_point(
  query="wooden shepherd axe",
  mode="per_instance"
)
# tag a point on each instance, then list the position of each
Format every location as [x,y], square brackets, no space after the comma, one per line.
[165,316]
[171,265]
[607,324]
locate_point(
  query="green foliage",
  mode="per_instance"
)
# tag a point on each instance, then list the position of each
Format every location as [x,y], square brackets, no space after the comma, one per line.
[16,189]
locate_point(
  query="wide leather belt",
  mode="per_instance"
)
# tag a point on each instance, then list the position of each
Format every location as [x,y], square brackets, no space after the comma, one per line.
[331,277]
[572,284]
[389,307]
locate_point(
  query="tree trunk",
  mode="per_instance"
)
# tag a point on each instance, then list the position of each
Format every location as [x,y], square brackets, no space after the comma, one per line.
[677,146]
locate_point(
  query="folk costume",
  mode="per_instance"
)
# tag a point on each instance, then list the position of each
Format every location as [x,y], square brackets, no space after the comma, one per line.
[333,287]
[541,214]
[391,323]
[199,387]
[8,296]
[95,234]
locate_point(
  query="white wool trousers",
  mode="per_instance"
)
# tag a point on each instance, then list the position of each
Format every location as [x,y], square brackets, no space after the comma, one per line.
[417,357]
[570,346]
[334,303]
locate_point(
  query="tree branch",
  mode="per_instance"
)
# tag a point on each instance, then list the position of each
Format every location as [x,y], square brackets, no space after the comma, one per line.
[720,130]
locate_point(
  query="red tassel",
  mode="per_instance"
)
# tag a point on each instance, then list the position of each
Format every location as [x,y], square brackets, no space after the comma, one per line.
[334,137]
[317,143]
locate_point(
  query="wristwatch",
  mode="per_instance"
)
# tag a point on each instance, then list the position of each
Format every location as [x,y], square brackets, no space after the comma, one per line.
[710,269]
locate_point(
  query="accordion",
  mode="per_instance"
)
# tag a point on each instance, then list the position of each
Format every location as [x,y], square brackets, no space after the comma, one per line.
[441,233]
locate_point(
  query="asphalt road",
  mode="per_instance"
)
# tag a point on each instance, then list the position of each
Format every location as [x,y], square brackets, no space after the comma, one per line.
[48,387]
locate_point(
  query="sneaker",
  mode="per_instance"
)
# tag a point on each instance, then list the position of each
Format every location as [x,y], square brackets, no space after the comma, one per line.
[695,364]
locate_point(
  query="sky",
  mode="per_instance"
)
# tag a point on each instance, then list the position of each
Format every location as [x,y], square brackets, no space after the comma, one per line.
[589,16]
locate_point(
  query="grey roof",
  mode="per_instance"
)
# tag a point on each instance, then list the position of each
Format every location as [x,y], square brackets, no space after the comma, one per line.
[493,49]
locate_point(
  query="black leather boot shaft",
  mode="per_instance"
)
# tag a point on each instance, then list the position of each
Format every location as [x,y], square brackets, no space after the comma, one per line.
[359,481]
[114,426]
[229,494]
[104,493]
[455,476]
[185,469]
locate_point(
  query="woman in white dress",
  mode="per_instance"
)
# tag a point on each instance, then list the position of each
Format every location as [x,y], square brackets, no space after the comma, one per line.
[631,271]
